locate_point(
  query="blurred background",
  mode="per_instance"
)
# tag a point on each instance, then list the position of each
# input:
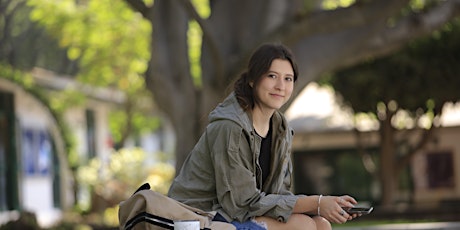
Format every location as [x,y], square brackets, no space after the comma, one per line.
[99,97]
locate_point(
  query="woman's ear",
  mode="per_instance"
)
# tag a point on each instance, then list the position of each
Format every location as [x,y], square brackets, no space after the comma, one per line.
[251,83]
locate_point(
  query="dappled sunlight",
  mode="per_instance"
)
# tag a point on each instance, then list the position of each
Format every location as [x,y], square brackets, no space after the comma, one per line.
[451,114]
[334,4]
[318,102]
[160,177]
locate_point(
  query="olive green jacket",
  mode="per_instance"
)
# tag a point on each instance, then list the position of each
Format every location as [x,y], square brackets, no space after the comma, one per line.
[222,172]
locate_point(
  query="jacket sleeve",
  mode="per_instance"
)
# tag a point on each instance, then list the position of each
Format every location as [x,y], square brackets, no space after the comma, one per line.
[234,167]
[287,179]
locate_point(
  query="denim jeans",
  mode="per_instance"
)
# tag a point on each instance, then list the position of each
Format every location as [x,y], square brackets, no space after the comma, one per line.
[248,225]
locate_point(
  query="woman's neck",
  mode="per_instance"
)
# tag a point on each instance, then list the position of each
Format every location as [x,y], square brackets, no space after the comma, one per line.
[261,120]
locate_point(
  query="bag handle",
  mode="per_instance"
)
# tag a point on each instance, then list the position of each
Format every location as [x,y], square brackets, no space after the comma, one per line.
[151,219]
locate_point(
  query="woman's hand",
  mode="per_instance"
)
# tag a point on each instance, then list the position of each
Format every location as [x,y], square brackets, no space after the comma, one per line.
[331,208]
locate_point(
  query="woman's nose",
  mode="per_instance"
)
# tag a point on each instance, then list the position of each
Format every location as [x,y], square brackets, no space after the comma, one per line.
[279,84]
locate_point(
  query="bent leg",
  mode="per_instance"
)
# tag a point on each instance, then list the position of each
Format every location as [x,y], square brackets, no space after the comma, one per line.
[322,223]
[296,221]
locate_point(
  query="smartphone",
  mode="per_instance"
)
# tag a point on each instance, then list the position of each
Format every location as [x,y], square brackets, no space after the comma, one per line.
[359,210]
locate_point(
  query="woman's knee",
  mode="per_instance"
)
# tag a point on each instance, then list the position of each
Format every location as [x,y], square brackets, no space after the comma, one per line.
[322,223]
[296,221]
[301,221]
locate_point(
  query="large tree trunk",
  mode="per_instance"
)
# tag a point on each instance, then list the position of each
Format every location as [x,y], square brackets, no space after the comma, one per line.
[168,76]
[388,174]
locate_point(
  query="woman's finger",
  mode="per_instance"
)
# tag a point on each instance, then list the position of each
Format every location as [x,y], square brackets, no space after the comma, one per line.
[349,199]
[343,216]
[339,216]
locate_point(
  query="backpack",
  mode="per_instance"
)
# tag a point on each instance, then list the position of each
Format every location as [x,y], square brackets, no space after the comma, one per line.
[147,209]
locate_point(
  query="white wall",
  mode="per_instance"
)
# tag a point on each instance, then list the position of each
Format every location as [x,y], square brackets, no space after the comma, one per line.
[35,191]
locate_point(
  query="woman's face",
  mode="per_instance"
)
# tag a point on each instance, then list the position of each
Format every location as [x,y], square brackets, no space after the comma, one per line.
[275,87]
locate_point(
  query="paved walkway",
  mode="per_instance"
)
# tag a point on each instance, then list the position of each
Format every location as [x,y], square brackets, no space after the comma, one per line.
[418,226]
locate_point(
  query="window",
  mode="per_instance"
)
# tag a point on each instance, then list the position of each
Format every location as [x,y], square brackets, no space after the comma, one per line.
[36,152]
[440,169]
[90,133]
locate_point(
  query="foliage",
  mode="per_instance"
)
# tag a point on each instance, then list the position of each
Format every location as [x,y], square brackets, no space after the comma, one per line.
[111,44]
[110,41]
[110,216]
[420,79]
[119,176]
[24,80]
[25,45]
[26,220]
[144,124]
[195,41]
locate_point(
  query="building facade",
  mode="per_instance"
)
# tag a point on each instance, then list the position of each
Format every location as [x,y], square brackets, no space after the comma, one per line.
[34,171]
[332,157]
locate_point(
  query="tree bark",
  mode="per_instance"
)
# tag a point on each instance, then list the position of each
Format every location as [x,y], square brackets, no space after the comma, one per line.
[388,176]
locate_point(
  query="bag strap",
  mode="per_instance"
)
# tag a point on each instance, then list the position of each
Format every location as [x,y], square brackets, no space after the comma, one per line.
[151,219]
[145,186]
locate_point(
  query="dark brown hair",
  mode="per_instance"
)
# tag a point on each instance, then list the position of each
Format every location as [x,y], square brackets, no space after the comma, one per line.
[258,65]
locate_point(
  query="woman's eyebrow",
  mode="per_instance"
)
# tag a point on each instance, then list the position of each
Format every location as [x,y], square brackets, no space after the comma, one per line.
[272,71]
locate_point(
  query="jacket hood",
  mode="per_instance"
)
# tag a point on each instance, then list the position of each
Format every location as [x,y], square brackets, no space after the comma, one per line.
[230,109]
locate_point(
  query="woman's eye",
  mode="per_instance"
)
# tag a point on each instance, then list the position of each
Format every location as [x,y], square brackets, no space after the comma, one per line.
[289,79]
[272,76]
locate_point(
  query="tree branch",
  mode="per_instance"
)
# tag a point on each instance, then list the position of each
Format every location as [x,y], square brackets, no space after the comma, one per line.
[416,25]
[324,22]
[330,24]
[364,42]
[404,161]
[139,6]
[208,37]
[426,137]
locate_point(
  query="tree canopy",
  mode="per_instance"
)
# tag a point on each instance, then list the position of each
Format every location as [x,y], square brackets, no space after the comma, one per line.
[110,43]
[416,82]
[323,39]
[421,77]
